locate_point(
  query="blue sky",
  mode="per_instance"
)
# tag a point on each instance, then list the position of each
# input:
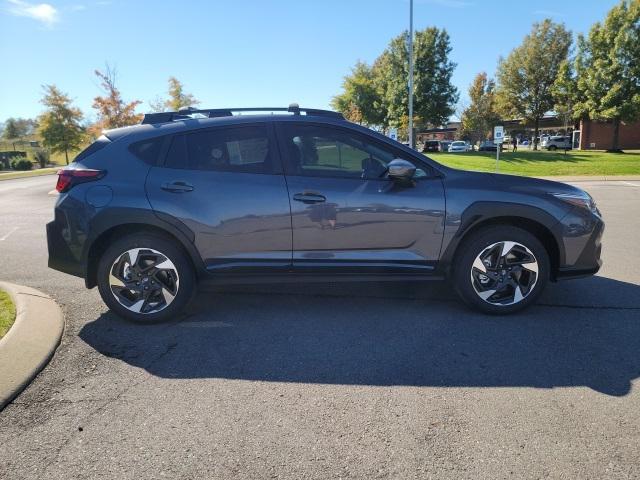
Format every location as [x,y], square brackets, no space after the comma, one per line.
[244,52]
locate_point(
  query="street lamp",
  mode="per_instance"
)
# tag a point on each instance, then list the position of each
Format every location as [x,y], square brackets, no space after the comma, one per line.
[411,74]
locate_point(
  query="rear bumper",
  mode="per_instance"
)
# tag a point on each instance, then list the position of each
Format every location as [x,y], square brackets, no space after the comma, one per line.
[61,257]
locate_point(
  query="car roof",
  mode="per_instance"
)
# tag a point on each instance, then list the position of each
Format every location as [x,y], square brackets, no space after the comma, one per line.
[142,131]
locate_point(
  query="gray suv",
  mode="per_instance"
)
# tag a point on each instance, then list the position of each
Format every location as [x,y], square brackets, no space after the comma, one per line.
[148,212]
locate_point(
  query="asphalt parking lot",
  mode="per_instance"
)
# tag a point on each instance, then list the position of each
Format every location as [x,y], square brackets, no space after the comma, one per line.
[333,381]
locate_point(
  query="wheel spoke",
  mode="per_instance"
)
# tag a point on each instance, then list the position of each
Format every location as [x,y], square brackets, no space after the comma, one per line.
[486,294]
[477,263]
[115,281]
[506,248]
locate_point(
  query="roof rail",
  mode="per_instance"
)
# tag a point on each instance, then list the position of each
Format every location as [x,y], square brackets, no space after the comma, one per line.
[165,117]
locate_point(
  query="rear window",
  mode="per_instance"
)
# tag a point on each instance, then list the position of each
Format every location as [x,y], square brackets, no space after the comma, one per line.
[99,144]
[240,149]
[148,150]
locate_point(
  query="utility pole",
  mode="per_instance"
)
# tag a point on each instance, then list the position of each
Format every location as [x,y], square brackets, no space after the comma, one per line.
[411,144]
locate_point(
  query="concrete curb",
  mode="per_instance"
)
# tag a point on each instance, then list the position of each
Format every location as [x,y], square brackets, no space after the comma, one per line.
[30,342]
[594,178]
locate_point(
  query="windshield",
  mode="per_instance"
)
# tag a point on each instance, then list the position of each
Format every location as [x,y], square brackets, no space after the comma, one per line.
[458,144]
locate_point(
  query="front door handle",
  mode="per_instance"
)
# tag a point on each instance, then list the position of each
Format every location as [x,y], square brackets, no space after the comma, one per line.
[309,197]
[177,187]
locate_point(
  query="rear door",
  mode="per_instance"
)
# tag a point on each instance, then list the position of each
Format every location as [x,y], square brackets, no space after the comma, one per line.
[347,215]
[226,185]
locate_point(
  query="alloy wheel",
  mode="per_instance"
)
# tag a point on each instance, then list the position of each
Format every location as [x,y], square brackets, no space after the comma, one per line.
[504,273]
[144,280]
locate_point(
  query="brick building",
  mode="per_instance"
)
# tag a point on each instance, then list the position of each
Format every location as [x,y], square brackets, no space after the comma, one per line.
[599,135]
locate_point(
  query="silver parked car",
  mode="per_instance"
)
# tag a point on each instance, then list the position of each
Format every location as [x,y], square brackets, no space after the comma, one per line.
[557,142]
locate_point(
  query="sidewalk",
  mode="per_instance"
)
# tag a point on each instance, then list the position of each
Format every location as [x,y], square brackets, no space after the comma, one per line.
[30,342]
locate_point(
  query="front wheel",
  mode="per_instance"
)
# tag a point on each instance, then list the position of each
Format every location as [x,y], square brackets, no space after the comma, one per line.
[553,148]
[501,270]
[145,278]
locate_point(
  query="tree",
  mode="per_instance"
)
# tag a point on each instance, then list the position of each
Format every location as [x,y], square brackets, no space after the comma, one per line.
[113,111]
[158,104]
[360,101]
[564,92]
[480,116]
[17,128]
[379,94]
[435,95]
[60,124]
[178,99]
[526,76]
[608,69]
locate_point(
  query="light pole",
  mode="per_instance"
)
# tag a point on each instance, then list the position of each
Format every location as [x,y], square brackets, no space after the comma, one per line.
[411,74]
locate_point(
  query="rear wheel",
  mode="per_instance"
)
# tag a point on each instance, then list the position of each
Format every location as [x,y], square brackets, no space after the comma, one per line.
[501,270]
[145,278]
[553,148]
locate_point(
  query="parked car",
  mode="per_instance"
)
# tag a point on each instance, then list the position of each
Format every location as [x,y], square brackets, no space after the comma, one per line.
[557,142]
[458,146]
[444,145]
[431,146]
[150,212]
[487,146]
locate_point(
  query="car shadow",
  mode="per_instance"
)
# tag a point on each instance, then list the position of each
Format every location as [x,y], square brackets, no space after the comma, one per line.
[582,333]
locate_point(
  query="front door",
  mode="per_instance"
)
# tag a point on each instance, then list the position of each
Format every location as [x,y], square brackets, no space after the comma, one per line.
[225,184]
[347,215]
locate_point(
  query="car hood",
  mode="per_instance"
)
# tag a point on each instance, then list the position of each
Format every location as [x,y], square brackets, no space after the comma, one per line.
[513,183]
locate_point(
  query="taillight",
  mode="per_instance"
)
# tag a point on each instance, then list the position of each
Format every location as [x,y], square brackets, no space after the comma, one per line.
[68,178]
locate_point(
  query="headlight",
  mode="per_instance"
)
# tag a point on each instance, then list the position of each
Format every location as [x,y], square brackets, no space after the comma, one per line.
[579,199]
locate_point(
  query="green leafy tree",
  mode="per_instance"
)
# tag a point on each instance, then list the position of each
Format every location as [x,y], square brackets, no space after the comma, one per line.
[527,75]
[565,92]
[360,101]
[608,69]
[60,125]
[435,95]
[15,129]
[178,98]
[480,116]
[380,93]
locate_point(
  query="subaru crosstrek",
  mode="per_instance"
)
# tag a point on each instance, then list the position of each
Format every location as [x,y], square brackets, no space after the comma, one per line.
[147,212]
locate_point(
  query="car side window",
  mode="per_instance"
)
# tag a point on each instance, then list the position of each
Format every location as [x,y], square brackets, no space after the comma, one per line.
[243,149]
[321,151]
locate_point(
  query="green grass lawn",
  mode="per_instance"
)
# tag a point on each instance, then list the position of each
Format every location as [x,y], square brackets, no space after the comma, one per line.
[7,313]
[9,174]
[55,158]
[544,163]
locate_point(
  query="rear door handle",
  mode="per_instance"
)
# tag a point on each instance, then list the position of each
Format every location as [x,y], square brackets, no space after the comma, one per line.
[309,197]
[177,187]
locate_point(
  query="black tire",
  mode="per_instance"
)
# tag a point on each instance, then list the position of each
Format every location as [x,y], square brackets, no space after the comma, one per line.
[476,244]
[553,148]
[185,287]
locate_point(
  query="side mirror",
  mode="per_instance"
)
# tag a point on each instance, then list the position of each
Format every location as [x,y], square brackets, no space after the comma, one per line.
[401,170]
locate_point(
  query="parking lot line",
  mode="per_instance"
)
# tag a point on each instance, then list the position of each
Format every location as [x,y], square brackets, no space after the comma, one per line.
[2,239]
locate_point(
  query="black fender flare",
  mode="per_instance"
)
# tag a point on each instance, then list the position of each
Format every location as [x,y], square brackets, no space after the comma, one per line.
[136,218]
[484,212]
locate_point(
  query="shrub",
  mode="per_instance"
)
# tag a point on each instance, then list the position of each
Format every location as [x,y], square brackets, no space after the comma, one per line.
[42,157]
[21,165]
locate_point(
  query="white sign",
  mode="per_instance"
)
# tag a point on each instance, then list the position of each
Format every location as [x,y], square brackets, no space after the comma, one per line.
[498,134]
[393,134]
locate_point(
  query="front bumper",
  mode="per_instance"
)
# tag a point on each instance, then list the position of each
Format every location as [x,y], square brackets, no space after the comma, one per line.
[582,235]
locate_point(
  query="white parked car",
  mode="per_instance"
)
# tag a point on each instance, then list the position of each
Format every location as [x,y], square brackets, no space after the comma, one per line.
[458,146]
[557,142]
